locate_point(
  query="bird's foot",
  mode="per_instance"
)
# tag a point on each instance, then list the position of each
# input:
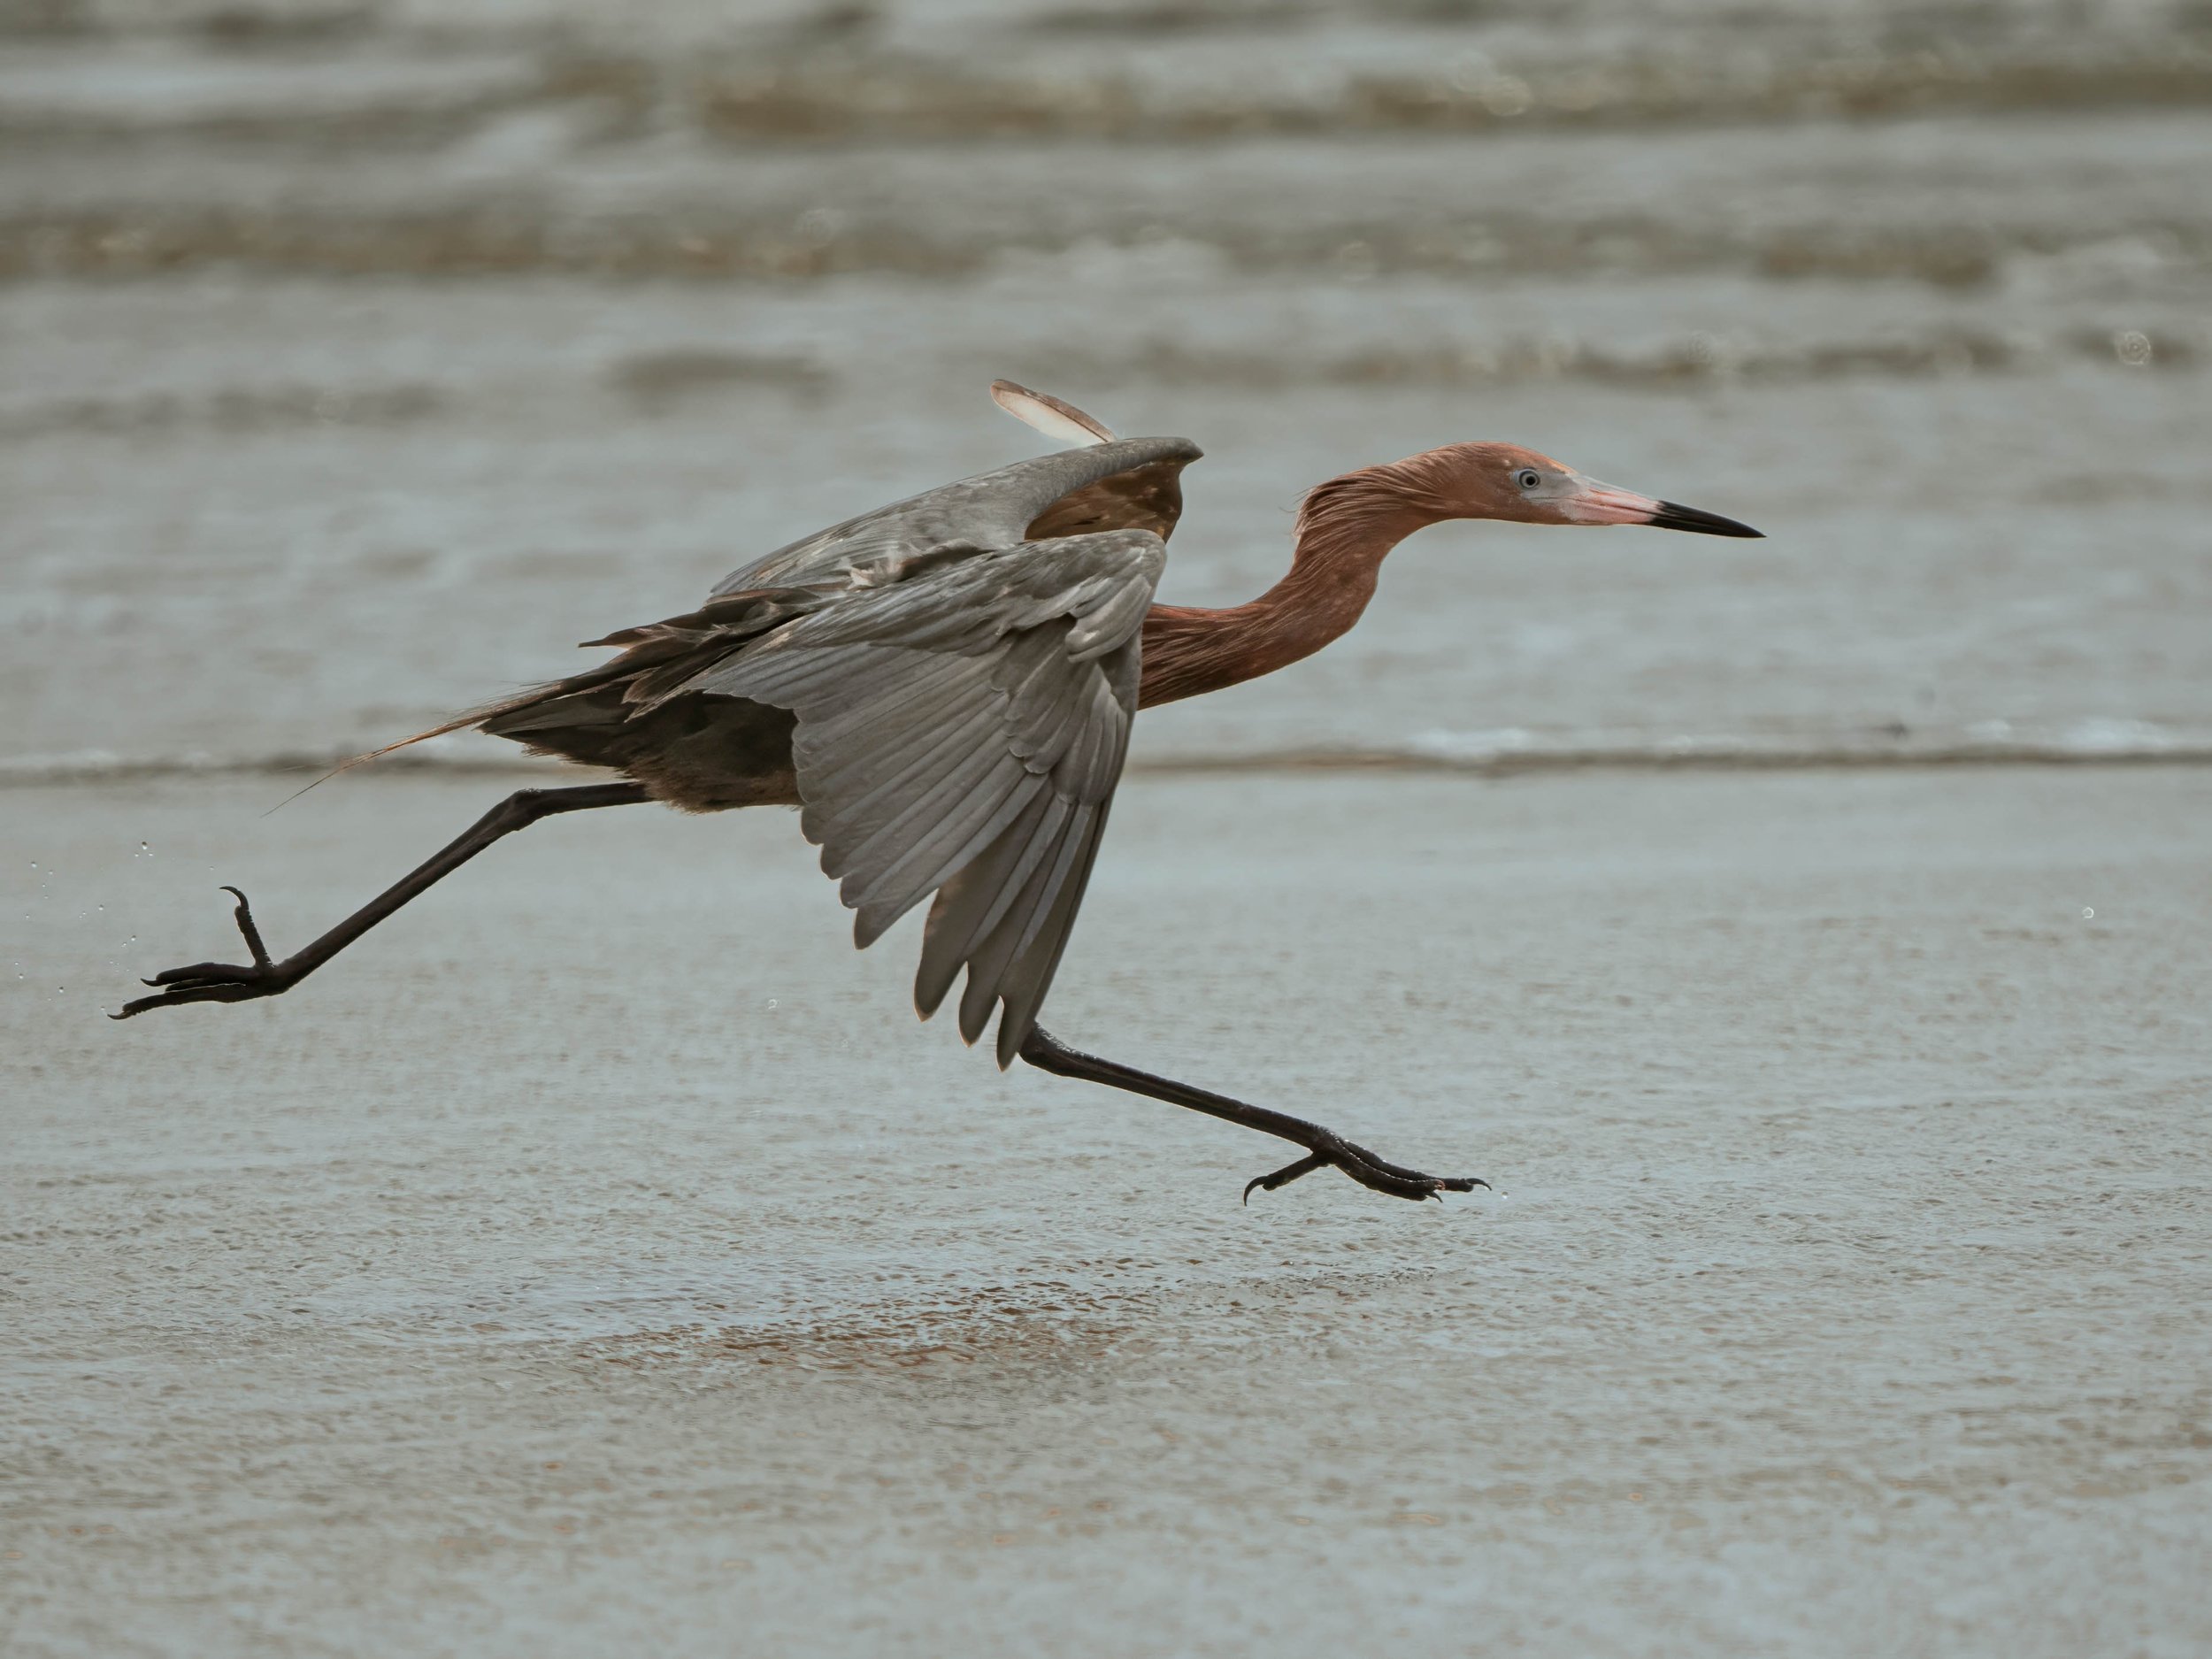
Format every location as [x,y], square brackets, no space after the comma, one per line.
[218,982]
[1325,1147]
[1368,1169]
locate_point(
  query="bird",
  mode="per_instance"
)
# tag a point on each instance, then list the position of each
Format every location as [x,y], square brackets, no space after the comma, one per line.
[945,687]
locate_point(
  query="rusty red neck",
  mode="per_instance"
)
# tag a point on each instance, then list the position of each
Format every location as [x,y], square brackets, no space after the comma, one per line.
[1345,527]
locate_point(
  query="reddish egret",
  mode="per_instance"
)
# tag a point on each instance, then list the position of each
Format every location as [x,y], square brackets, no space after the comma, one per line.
[945,687]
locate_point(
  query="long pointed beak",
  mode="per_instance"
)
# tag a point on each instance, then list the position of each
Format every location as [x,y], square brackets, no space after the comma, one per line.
[1602,504]
[1674,516]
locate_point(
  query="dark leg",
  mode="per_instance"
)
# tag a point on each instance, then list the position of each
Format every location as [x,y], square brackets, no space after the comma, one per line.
[232,982]
[1325,1147]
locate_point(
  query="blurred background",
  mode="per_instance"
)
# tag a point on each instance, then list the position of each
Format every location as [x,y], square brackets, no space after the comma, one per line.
[361,356]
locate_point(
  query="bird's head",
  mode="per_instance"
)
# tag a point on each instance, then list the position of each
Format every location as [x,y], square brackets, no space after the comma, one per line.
[1504,480]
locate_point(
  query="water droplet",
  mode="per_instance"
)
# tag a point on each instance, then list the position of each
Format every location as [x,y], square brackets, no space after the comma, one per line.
[771,1004]
[2088,914]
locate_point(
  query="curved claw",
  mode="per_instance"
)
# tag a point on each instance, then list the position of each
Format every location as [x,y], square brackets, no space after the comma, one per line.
[244,916]
[217,981]
[1285,1176]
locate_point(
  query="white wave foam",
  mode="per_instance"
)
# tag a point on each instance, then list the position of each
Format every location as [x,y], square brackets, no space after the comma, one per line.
[2109,740]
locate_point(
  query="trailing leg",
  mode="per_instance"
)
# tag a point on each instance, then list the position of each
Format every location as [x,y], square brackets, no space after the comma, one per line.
[239,982]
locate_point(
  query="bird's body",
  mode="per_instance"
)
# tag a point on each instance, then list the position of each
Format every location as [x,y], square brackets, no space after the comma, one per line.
[945,687]
[947,699]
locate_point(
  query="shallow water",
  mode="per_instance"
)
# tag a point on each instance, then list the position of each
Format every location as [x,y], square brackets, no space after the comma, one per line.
[600,1254]
[1954,555]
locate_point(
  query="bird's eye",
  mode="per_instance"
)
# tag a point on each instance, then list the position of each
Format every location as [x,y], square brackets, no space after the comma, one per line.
[1528,478]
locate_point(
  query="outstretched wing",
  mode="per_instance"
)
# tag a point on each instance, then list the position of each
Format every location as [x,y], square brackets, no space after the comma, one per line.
[989,511]
[961,731]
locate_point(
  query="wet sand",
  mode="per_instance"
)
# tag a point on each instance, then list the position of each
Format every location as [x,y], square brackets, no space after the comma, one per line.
[601,1259]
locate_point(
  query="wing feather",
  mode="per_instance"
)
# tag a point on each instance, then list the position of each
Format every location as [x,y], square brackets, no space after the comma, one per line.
[1049,415]
[889,845]
[961,729]
[916,736]
[1040,958]
[971,901]
[992,955]
[937,851]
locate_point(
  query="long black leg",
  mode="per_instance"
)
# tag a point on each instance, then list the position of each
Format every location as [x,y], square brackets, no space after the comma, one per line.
[1325,1147]
[234,982]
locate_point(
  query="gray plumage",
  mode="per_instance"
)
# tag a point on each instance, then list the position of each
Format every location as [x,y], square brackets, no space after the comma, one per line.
[947,700]
[991,510]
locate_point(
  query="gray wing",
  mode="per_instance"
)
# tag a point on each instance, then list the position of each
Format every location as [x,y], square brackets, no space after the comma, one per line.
[961,731]
[987,513]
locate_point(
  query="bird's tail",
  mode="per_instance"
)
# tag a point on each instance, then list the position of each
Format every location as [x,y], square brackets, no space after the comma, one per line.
[460,723]
[656,659]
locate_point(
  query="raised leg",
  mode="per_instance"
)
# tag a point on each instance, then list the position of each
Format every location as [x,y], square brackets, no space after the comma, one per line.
[1325,1147]
[237,982]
